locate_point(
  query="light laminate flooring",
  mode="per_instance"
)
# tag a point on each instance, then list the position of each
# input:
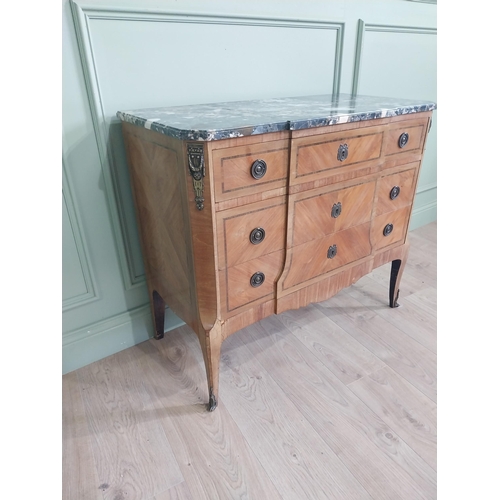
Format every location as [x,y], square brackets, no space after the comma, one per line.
[336,400]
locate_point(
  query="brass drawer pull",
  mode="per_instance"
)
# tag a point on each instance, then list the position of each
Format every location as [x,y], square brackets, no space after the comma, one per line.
[394,192]
[259,169]
[332,252]
[343,152]
[336,209]
[257,279]
[388,229]
[257,236]
[403,139]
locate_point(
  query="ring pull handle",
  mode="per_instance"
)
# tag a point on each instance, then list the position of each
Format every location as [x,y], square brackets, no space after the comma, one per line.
[258,169]
[257,235]
[388,229]
[332,252]
[343,152]
[403,139]
[394,192]
[336,209]
[257,279]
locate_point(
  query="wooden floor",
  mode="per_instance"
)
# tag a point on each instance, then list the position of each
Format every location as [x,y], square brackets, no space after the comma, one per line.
[333,401]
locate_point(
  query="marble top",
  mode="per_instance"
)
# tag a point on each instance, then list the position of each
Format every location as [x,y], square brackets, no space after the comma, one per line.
[211,122]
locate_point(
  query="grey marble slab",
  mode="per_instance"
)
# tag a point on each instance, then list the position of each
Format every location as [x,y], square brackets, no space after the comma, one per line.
[211,122]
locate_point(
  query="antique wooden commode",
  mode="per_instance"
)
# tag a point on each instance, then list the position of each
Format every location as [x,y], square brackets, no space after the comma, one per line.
[247,209]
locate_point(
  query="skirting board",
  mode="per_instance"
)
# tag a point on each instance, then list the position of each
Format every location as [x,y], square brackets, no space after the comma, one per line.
[423,215]
[86,345]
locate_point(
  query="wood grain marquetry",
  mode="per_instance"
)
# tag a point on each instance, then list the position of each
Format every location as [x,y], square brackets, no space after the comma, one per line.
[232,169]
[398,219]
[416,130]
[159,188]
[273,222]
[237,287]
[320,155]
[234,229]
[312,211]
[311,259]
[395,191]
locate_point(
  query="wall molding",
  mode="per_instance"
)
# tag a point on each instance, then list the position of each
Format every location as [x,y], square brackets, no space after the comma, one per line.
[81,17]
[81,247]
[381,28]
[427,187]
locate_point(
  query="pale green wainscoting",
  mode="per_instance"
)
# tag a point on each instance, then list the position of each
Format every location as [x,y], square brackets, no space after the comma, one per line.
[120,55]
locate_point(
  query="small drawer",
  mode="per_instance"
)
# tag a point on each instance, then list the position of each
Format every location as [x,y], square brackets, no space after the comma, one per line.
[245,233]
[319,156]
[390,228]
[249,169]
[395,191]
[321,256]
[405,136]
[324,211]
[253,280]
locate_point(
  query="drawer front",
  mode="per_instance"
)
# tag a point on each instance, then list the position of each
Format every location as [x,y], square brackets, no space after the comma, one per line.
[320,156]
[395,191]
[320,212]
[390,228]
[245,170]
[405,136]
[247,233]
[252,280]
[317,257]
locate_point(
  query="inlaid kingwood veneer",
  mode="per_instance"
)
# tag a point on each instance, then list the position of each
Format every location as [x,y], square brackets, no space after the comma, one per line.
[252,208]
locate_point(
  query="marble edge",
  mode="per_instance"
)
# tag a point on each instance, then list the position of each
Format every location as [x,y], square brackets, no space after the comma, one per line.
[218,134]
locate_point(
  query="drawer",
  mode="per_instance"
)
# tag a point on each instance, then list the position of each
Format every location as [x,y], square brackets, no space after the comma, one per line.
[390,228]
[318,156]
[253,280]
[405,136]
[321,256]
[395,191]
[248,169]
[249,232]
[326,210]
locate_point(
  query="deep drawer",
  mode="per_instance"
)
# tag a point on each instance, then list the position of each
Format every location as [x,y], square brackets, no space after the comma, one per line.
[395,191]
[390,228]
[321,256]
[249,232]
[326,210]
[248,282]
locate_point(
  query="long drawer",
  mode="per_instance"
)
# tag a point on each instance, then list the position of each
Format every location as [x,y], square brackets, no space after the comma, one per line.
[323,211]
[326,254]
[314,157]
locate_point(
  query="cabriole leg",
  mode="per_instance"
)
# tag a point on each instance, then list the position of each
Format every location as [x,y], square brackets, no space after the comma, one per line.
[158,315]
[394,283]
[210,341]
[397,269]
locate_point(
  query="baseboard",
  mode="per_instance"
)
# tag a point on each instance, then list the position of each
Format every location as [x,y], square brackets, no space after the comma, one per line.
[99,340]
[423,215]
